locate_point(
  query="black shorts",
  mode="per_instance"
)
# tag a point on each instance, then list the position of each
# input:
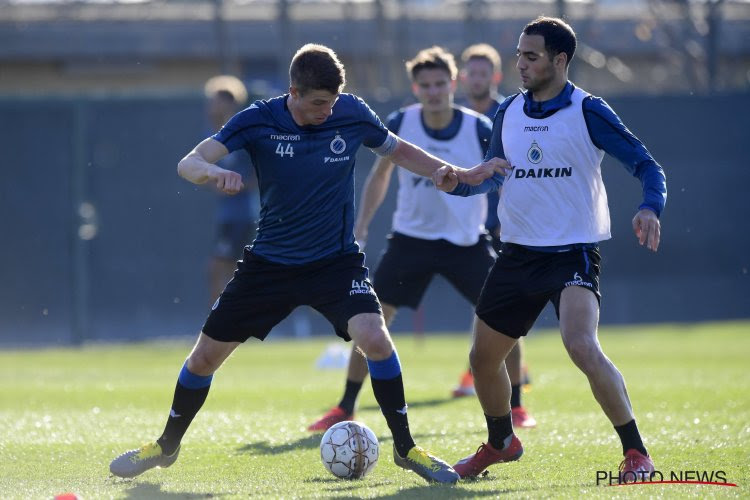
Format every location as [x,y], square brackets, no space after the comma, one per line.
[231,238]
[262,293]
[408,265]
[522,281]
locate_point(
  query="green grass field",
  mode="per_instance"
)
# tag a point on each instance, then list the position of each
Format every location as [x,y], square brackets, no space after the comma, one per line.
[65,413]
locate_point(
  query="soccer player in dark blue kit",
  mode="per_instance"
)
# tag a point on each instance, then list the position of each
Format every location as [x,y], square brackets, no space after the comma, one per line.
[553,213]
[303,147]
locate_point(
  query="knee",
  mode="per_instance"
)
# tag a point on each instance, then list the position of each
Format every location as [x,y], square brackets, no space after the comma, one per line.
[375,343]
[201,363]
[584,353]
[480,361]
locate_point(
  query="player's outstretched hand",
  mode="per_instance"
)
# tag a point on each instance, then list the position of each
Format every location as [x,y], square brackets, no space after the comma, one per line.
[227,181]
[647,229]
[474,176]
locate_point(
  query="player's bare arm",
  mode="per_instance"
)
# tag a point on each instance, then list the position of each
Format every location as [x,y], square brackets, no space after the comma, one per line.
[447,177]
[647,228]
[415,159]
[199,167]
[373,193]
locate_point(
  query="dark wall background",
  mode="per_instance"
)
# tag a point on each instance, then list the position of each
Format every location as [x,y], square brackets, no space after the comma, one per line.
[109,163]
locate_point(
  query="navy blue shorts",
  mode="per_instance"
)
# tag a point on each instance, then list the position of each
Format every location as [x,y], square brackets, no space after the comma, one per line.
[262,293]
[408,265]
[522,281]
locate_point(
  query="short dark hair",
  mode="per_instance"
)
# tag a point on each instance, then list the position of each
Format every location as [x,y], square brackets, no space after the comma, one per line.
[432,58]
[316,67]
[559,37]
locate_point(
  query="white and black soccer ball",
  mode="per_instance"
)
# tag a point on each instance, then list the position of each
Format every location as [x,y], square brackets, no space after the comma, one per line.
[349,450]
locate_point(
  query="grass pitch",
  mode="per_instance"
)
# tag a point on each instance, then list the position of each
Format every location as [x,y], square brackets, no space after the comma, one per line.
[65,413]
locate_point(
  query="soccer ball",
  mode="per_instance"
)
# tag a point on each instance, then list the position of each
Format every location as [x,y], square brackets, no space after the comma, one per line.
[349,450]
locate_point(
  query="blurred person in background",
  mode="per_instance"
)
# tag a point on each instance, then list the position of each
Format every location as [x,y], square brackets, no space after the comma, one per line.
[481,73]
[236,215]
[431,230]
[553,212]
[303,145]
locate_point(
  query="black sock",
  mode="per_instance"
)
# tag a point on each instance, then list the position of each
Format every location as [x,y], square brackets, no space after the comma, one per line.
[350,396]
[499,430]
[630,437]
[389,394]
[185,406]
[515,396]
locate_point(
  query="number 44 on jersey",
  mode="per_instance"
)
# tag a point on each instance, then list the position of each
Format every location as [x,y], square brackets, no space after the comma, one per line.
[281,151]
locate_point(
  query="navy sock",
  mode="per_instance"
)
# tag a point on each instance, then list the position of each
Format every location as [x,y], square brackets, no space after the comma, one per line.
[515,396]
[189,395]
[630,437]
[499,430]
[388,387]
[351,391]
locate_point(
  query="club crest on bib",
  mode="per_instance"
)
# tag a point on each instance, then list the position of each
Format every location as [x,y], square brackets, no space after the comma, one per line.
[338,145]
[534,154]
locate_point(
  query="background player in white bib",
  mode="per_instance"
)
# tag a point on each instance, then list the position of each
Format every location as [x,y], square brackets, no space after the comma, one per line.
[431,231]
[553,212]
[480,75]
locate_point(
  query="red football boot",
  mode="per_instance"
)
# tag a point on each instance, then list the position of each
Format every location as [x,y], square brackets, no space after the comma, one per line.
[332,417]
[486,455]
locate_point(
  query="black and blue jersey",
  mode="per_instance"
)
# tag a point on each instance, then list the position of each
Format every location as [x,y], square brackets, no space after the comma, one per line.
[305,175]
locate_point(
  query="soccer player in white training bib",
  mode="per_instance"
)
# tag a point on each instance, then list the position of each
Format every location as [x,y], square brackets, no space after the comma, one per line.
[303,146]
[553,213]
[480,76]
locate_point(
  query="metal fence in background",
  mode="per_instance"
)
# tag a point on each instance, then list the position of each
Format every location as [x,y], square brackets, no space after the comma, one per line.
[102,240]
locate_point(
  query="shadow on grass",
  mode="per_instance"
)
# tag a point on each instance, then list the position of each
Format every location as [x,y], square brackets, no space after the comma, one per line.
[312,441]
[148,491]
[339,489]
[265,448]
[428,403]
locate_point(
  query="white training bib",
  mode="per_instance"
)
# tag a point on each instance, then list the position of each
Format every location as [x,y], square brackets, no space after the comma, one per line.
[424,212]
[554,195]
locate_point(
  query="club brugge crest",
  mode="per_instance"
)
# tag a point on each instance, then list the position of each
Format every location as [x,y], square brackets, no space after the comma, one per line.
[534,154]
[338,145]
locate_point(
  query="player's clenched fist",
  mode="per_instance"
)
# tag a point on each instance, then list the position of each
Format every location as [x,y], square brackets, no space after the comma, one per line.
[445,178]
[227,181]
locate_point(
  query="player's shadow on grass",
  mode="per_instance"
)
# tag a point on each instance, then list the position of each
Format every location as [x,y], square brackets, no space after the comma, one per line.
[428,403]
[338,488]
[147,491]
[265,448]
[312,441]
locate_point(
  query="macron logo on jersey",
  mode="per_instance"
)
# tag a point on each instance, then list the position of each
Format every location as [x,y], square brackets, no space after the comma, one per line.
[540,128]
[285,137]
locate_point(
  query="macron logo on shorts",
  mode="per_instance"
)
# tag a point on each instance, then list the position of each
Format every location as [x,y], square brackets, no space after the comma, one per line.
[359,287]
[578,281]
